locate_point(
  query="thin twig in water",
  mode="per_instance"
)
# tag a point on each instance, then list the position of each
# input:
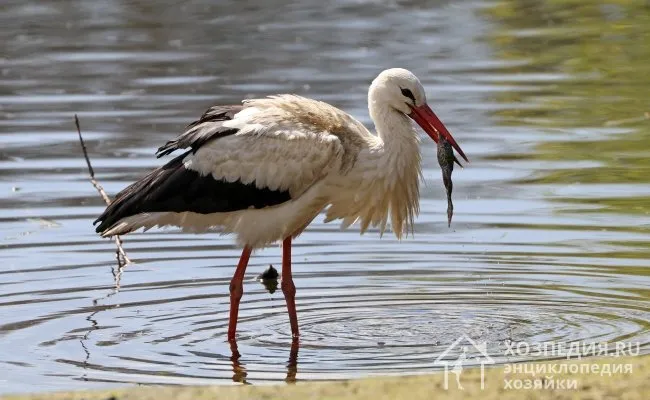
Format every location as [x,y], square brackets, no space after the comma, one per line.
[122,258]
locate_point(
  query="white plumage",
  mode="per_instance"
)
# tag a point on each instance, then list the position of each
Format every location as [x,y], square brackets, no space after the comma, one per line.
[266,169]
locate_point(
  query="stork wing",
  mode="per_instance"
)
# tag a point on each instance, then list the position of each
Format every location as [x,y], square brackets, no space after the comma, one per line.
[269,149]
[208,127]
[252,156]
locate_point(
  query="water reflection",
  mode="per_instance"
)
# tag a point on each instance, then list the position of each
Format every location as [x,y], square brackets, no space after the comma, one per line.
[588,104]
[239,369]
[292,364]
[97,307]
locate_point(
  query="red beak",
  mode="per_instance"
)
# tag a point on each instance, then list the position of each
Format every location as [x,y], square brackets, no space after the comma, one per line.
[427,119]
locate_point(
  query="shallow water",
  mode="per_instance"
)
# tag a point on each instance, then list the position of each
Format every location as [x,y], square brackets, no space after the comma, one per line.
[550,236]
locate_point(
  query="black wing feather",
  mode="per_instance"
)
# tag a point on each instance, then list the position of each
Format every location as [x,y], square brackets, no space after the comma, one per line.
[174,188]
[207,128]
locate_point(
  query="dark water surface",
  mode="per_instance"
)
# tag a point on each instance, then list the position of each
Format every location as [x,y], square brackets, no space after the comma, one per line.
[550,237]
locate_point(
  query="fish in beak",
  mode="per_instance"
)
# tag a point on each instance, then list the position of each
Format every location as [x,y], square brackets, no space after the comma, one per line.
[431,124]
[446,159]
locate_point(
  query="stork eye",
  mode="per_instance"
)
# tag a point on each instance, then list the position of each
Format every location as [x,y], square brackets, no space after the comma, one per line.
[409,94]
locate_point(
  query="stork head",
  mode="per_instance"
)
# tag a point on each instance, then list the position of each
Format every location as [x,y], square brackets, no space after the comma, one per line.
[401,90]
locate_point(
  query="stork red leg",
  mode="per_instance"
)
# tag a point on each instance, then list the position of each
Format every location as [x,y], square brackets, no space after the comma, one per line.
[236,291]
[288,288]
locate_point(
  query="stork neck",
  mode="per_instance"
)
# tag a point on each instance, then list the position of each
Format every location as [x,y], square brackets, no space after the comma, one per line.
[394,128]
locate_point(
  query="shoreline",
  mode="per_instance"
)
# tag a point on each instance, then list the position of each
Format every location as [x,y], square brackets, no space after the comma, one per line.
[602,377]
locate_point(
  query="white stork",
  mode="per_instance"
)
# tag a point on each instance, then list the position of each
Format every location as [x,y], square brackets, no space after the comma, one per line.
[265,169]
